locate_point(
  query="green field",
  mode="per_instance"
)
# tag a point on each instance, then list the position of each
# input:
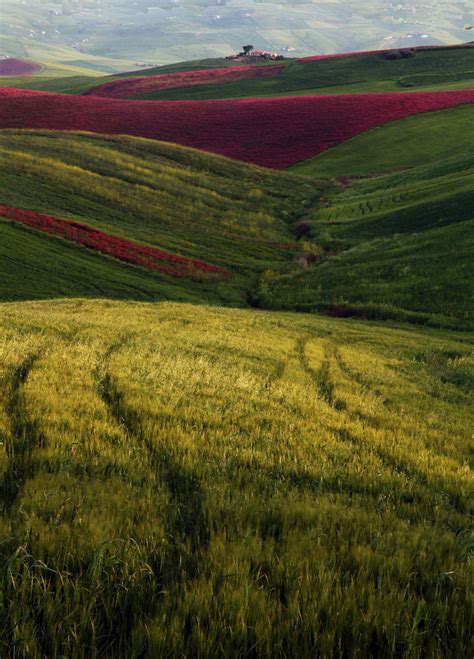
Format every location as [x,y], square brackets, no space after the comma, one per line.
[190,481]
[415,140]
[390,245]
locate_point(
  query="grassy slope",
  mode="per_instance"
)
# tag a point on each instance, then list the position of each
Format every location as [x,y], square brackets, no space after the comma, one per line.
[400,144]
[401,241]
[359,73]
[36,266]
[173,198]
[272,484]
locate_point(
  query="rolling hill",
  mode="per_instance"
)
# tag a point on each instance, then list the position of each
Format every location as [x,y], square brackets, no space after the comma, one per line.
[429,68]
[393,246]
[190,204]
[396,245]
[139,86]
[392,239]
[416,140]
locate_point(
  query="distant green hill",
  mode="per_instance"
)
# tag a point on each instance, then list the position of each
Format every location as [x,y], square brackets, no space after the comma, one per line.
[443,68]
[124,34]
[438,68]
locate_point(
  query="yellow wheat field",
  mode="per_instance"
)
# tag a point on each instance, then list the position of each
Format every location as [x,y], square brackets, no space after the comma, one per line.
[191,481]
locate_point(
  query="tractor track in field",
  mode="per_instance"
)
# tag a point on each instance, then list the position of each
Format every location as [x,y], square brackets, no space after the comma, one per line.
[387,458]
[350,373]
[186,520]
[325,390]
[396,466]
[320,377]
[23,437]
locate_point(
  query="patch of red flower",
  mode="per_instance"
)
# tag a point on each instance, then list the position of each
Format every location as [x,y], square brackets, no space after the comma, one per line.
[11,66]
[273,132]
[128,87]
[314,58]
[120,248]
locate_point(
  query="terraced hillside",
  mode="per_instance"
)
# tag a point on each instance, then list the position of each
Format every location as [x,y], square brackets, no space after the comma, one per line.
[391,244]
[181,480]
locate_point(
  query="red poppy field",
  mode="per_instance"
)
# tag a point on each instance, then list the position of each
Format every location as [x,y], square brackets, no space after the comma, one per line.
[119,248]
[146,84]
[271,132]
[11,66]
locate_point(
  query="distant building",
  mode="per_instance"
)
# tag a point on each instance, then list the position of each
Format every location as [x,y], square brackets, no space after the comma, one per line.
[250,51]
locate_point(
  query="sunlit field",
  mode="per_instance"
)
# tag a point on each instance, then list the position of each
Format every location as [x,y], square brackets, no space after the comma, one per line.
[191,481]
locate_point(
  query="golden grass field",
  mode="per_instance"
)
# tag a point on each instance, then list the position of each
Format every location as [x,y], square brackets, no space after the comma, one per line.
[183,480]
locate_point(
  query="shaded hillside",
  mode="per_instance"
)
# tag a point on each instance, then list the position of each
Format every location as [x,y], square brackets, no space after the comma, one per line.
[12,66]
[192,205]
